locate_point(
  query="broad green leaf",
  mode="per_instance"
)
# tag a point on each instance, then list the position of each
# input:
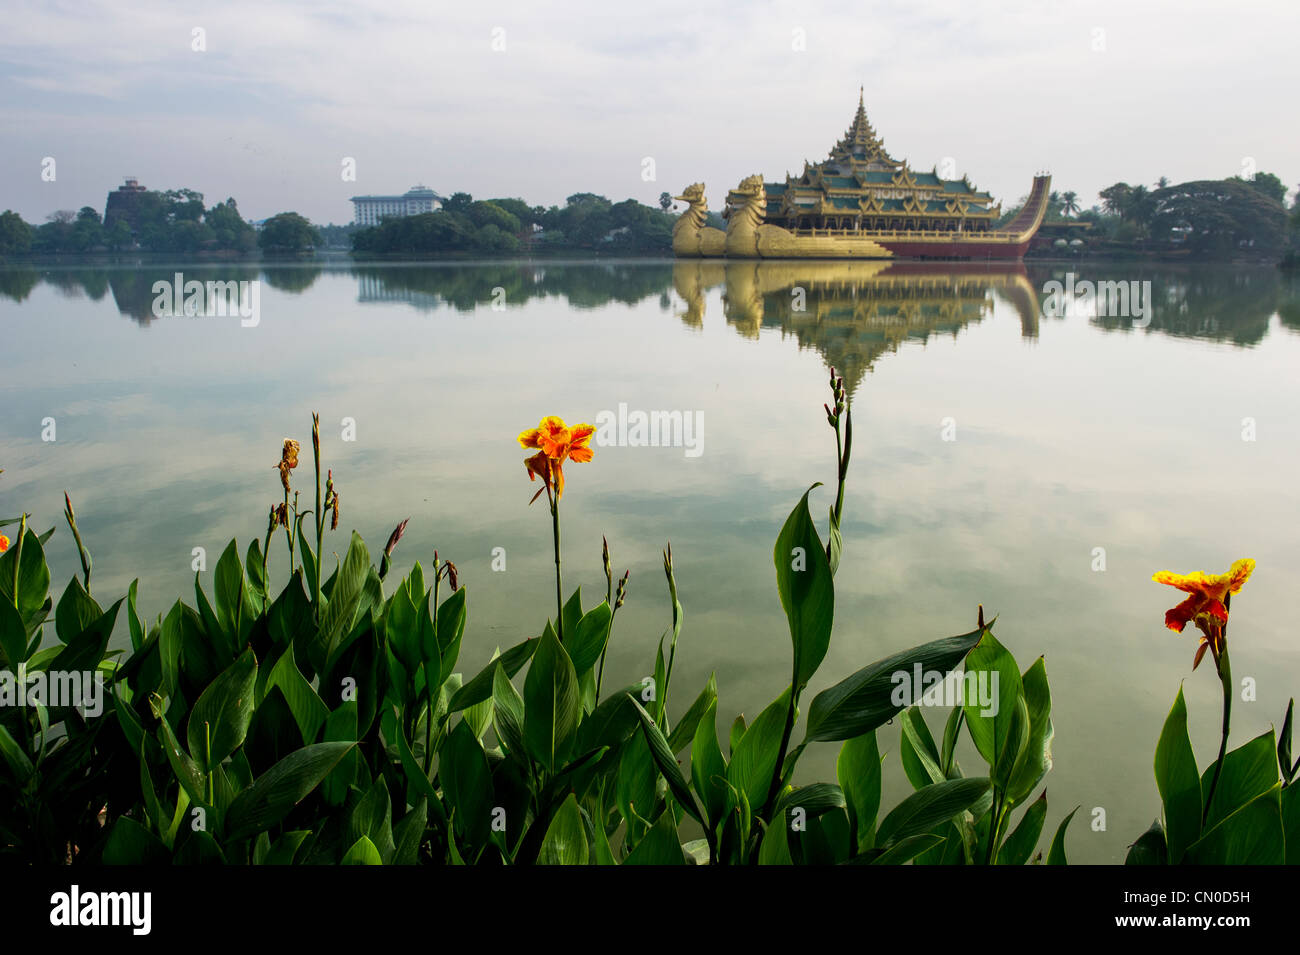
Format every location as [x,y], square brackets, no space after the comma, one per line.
[1035,758]
[508,714]
[684,732]
[274,793]
[480,688]
[566,841]
[76,611]
[1248,771]
[919,756]
[753,762]
[467,784]
[1178,781]
[1150,847]
[932,805]
[228,587]
[19,764]
[906,849]
[363,852]
[667,763]
[587,641]
[309,710]
[804,581]
[130,843]
[409,833]
[870,698]
[1251,835]
[660,845]
[221,714]
[1022,841]
[708,768]
[858,770]
[992,668]
[1056,854]
[552,709]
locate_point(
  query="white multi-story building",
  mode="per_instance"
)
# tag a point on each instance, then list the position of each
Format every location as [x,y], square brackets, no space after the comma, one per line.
[370,210]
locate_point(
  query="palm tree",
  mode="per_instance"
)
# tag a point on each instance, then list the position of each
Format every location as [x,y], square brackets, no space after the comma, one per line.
[1162,182]
[1071,201]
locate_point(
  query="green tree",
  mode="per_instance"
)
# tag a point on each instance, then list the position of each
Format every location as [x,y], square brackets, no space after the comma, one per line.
[1267,184]
[287,232]
[665,201]
[229,228]
[15,234]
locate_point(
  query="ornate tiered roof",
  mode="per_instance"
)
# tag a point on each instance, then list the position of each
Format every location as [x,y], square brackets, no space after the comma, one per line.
[860,177]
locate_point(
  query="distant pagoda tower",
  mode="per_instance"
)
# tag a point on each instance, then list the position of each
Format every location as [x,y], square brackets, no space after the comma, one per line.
[124,203]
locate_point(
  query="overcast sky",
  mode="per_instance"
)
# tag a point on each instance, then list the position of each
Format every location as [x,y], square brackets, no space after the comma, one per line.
[540,100]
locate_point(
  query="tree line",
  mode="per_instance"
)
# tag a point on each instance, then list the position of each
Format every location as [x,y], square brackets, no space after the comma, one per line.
[586,222]
[175,220]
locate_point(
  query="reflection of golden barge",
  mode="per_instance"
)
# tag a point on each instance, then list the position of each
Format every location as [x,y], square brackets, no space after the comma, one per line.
[853,312]
[859,204]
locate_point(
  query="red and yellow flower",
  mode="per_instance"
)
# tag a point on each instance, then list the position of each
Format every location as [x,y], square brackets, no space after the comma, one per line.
[556,443]
[1206,604]
[4,543]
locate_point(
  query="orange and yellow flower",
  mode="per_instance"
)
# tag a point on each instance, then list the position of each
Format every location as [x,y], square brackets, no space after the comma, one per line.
[1205,606]
[556,443]
[4,543]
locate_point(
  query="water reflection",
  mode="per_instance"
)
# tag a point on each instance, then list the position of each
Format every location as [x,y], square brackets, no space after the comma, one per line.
[852,312]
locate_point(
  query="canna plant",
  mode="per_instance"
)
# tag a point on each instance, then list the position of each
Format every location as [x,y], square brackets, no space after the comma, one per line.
[329,722]
[1243,809]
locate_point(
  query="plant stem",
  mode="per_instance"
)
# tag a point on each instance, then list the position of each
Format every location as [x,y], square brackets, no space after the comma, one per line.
[1225,677]
[559,592]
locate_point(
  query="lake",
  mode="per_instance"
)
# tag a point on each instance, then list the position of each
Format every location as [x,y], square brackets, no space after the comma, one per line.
[1013,447]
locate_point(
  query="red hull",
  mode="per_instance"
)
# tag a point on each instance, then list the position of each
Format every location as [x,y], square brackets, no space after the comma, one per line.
[955,250]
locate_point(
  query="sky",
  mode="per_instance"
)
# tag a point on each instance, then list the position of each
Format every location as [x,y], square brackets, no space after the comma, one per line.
[273,102]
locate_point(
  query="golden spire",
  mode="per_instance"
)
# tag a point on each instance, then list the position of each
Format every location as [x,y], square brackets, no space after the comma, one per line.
[861,141]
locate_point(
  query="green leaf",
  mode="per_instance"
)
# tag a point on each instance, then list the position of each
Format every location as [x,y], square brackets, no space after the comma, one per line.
[508,714]
[1251,835]
[336,621]
[858,770]
[917,752]
[467,783]
[480,688]
[222,713]
[33,604]
[1056,854]
[868,698]
[1248,771]
[660,845]
[904,850]
[552,709]
[19,763]
[1020,845]
[1035,758]
[708,768]
[283,849]
[363,852]
[130,843]
[84,652]
[1291,823]
[586,641]
[991,666]
[566,841]
[186,770]
[274,793]
[13,636]
[409,833]
[75,612]
[228,586]
[753,761]
[309,710]
[450,629]
[684,732]
[1178,781]
[932,805]
[1150,847]
[805,583]
[667,763]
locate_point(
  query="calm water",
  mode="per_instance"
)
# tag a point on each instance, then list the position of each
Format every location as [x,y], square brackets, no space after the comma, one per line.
[1071,434]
